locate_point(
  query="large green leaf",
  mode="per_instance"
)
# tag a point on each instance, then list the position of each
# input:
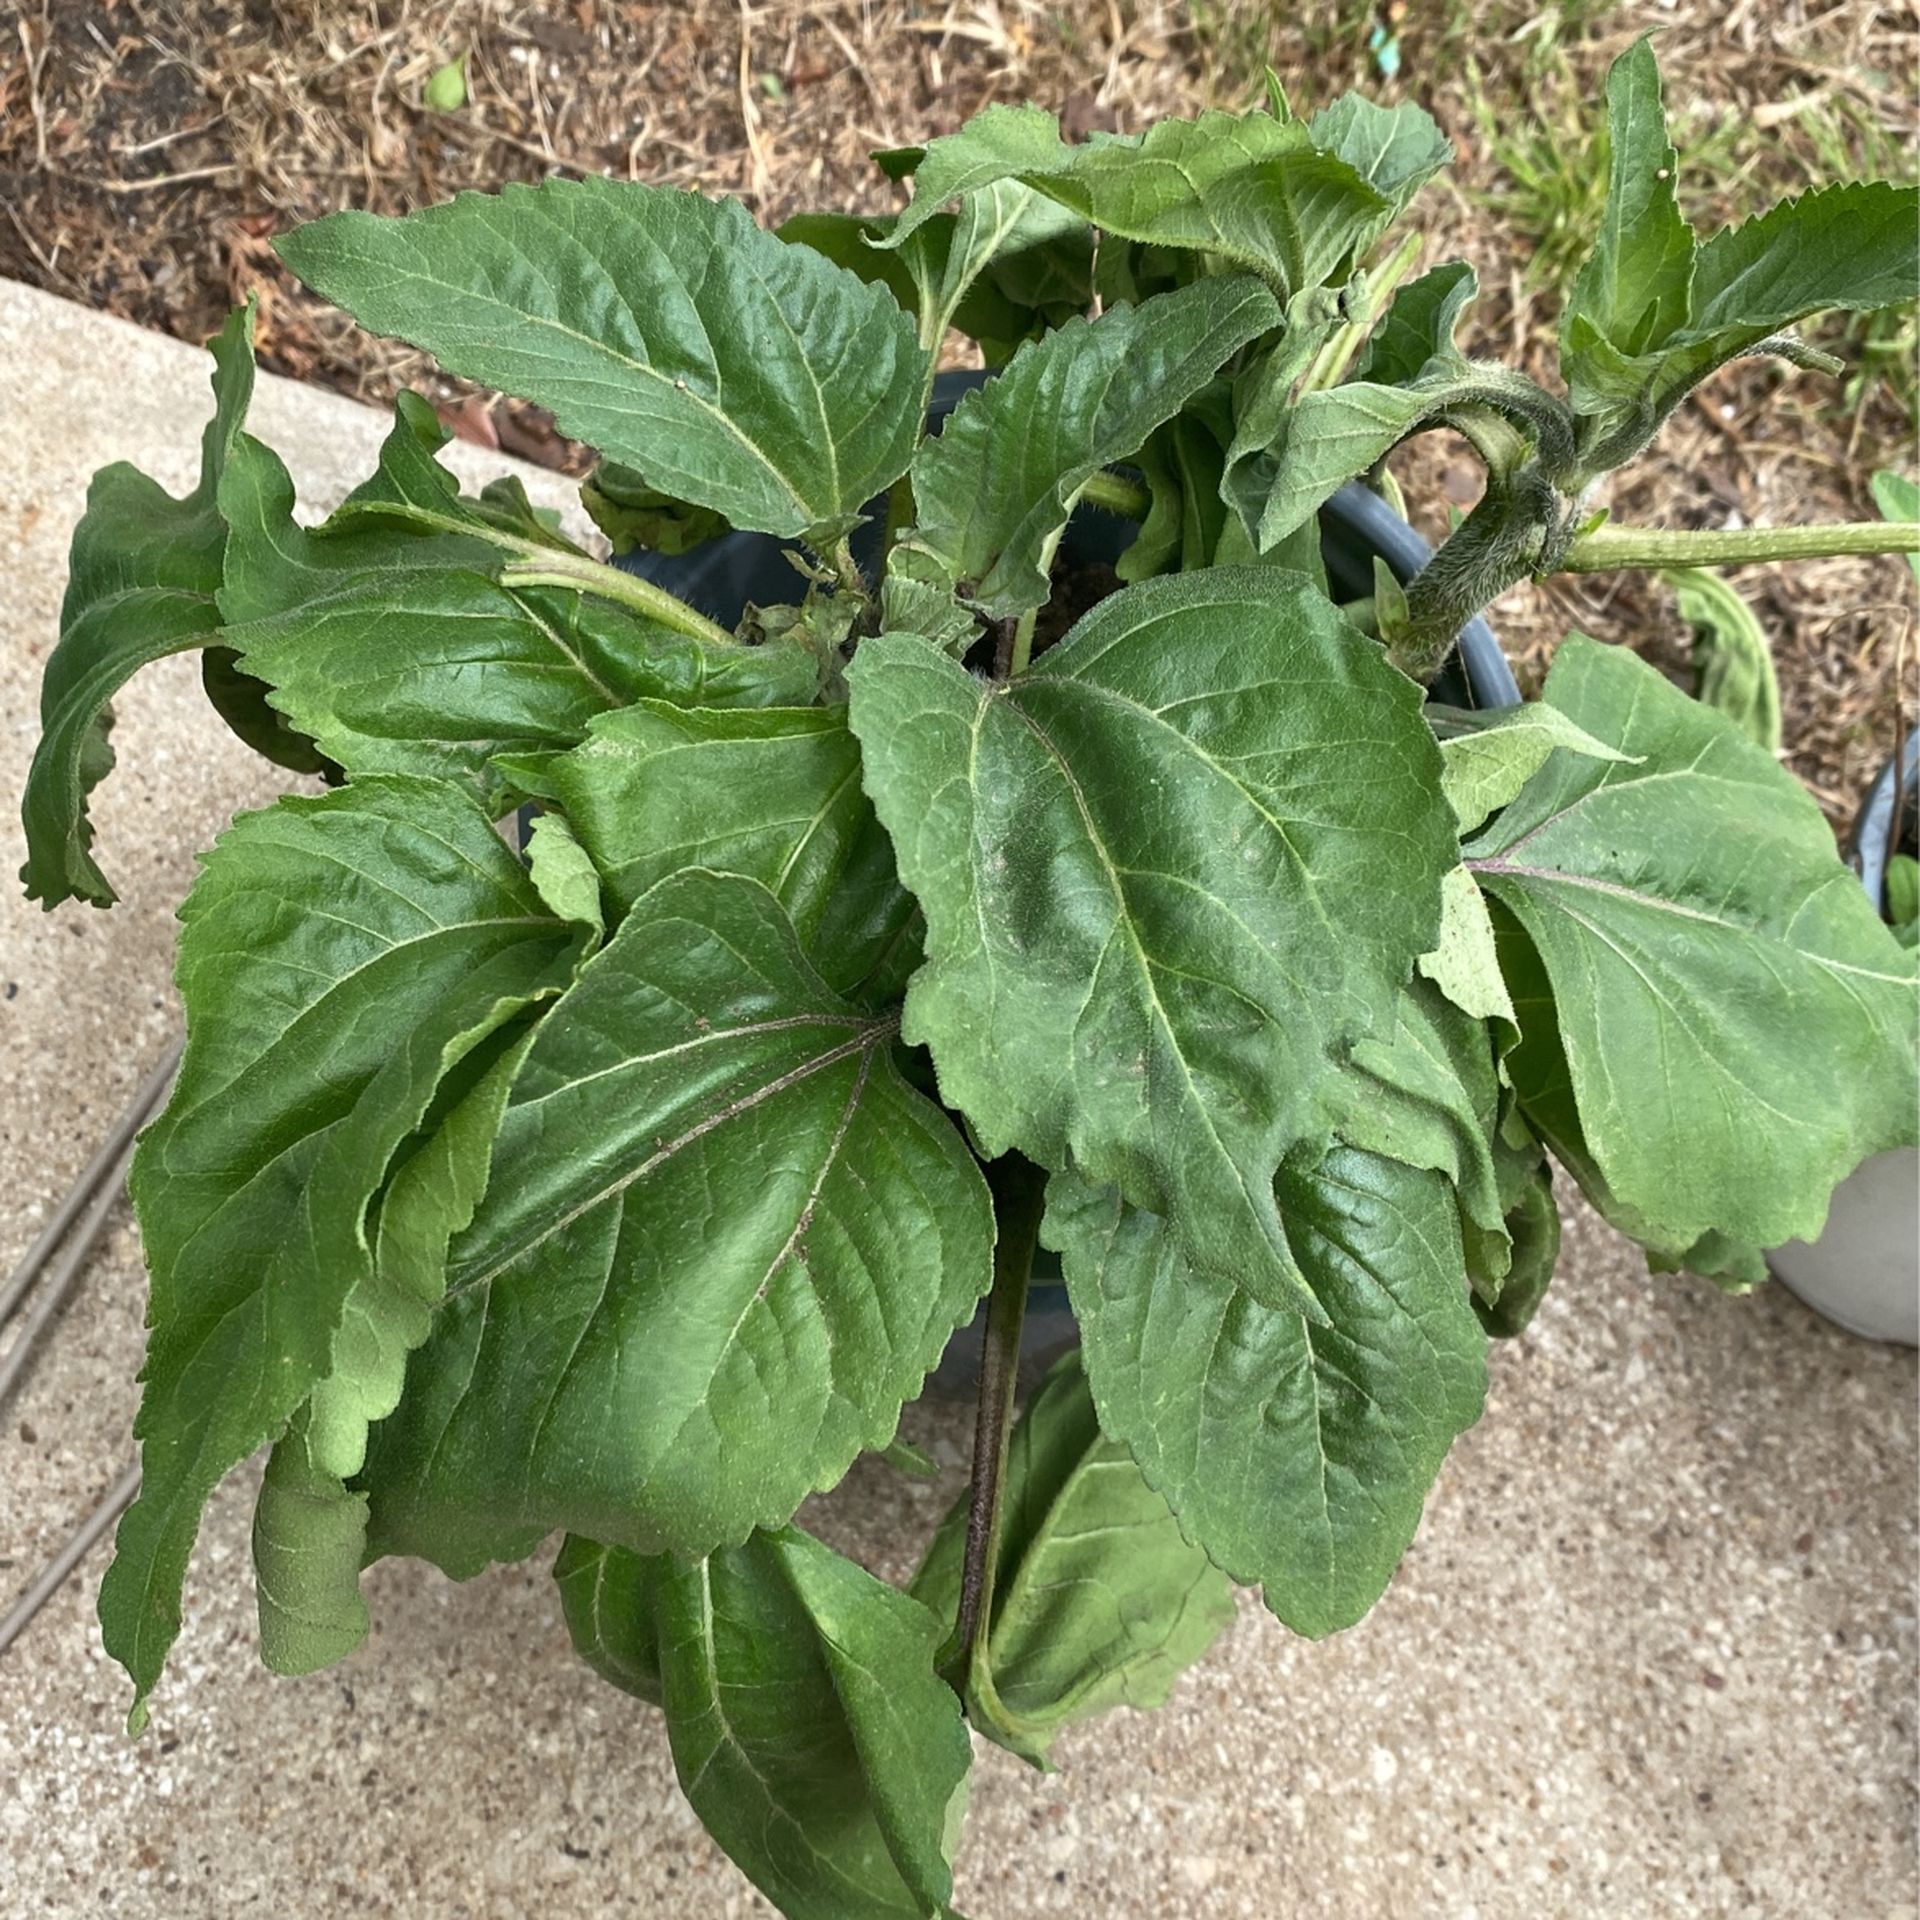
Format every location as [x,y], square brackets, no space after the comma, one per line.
[1247,188]
[993,491]
[1737,1026]
[807,1725]
[664,328]
[774,794]
[1297,1455]
[142,575]
[317,1039]
[723,1242]
[1098,1599]
[1167,875]
[390,636]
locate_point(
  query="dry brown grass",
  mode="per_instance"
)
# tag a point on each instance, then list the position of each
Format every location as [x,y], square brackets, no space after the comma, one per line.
[150,149]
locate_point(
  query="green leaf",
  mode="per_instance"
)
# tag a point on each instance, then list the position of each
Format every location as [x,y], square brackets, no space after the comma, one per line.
[1166,875]
[608,1597]
[1098,1601]
[1417,333]
[1487,757]
[1533,1229]
[632,514]
[390,636]
[564,875]
[1898,498]
[924,608]
[390,1311]
[1183,464]
[723,1243]
[994,489]
[1251,190]
[308,1534]
[142,575]
[1903,897]
[1854,248]
[1427,1094]
[316,1042]
[309,1528]
[1737,1026]
[1634,288]
[1002,269]
[1396,149]
[665,329]
[807,1725]
[1465,964]
[1297,1455]
[1731,656]
[773,794]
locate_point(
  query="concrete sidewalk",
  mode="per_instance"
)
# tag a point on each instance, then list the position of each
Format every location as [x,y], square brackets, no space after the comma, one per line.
[1653,1651]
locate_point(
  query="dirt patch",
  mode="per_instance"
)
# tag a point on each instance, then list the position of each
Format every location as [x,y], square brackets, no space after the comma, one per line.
[151,149]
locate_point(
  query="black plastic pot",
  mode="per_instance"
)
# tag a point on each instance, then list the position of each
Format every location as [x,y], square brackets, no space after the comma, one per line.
[724,576]
[1874,839]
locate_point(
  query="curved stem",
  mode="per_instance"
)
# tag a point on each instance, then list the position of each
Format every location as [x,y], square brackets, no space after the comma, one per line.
[1607,547]
[1019,1195]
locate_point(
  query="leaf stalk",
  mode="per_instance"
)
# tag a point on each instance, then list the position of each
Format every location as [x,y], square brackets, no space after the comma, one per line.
[1019,1195]
[1607,547]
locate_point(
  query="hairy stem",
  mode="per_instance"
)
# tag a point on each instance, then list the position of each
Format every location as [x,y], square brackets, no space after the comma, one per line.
[1118,494]
[1607,547]
[625,589]
[1023,642]
[1019,1192]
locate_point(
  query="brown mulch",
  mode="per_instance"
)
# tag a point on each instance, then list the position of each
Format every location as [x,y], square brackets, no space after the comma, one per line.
[151,149]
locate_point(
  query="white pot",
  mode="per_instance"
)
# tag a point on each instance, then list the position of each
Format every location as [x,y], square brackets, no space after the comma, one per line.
[1864,1271]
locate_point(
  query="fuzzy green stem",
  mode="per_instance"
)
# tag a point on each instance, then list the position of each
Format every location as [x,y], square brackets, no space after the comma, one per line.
[1608,547]
[625,589]
[1019,1197]
[1022,642]
[1118,494]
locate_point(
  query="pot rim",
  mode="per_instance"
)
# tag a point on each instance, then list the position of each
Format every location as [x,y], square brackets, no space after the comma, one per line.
[1871,841]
